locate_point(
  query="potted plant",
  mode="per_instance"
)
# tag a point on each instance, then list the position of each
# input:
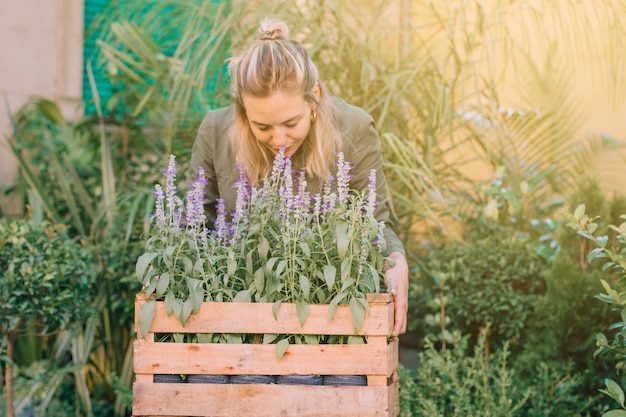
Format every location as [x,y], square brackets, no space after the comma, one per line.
[301,272]
[281,245]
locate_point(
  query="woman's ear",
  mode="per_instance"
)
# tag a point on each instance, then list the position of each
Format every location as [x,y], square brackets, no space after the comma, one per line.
[317,91]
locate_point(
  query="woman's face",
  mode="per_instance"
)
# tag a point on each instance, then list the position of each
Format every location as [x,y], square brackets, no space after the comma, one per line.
[282,119]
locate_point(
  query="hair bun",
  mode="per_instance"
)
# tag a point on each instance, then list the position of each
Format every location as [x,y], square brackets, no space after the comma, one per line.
[272,30]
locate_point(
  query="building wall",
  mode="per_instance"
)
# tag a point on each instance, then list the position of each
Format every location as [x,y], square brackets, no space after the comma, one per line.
[41,52]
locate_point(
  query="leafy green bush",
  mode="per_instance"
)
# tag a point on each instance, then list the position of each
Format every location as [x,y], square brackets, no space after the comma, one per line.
[561,330]
[44,276]
[490,277]
[609,241]
[465,382]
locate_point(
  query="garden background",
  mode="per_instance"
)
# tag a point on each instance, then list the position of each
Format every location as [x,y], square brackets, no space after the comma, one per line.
[497,118]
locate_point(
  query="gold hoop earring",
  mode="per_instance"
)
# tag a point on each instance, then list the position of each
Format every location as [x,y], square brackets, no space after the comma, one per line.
[313,116]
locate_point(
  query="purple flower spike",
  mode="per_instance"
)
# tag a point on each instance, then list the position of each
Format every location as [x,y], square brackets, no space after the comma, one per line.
[170,186]
[343,179]
[195,201]
[221,225]
[160,208]
[371,190]
[243,195]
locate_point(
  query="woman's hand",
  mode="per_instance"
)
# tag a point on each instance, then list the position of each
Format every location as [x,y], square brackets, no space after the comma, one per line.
[397,279]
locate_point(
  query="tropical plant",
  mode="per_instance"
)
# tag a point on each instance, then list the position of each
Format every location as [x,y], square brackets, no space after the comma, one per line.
[45,280]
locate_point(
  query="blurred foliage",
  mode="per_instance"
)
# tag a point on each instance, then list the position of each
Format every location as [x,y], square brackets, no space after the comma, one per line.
[467,381]
[46,287]
[474,180]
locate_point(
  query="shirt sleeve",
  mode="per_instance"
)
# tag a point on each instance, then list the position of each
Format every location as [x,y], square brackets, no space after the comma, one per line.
[203,155]
[366,154]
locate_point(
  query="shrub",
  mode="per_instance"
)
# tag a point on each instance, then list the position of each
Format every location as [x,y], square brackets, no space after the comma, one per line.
[44,277]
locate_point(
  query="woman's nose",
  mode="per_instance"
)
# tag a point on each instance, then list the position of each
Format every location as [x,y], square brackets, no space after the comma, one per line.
[280,138]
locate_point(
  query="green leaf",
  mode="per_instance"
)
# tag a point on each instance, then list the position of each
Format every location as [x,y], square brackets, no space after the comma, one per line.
[332,306]
[305,285]
[596,253]
[177,308]
[346,269]
[358,314]
[186,311]
[269,338]
[196,295]
[151,288]
[269,266]
[145,316]
[355,340]
[243,296]
[603,240]
[143,262]
[349,282]
[281,266]
[275,308]
[330,272]
[263,249]
[259,279]
[281,348]
[606,286]
[615,413]
[170,300]
[305,248]
[234,338]
[204,337]
[51,111]
[614,391]
[579,212]
[303,311]
[343,243]
[162,283]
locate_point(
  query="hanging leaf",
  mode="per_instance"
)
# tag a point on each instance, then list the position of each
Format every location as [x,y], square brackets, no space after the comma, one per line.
[275,308]
[186,311]
[263,248]
[305,285]
[358,314]
[259,279]
[170,299]
[302,308]
[330,272]
[143,262]
[281,348]
[145,316]
[162,283]
[332,307]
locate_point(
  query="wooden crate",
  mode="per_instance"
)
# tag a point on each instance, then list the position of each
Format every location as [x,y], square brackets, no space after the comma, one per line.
[377,359]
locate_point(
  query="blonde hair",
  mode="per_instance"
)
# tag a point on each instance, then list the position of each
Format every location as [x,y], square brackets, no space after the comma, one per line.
[272,64]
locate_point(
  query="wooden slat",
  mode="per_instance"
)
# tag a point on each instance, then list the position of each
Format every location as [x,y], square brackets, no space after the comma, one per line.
[378,360]
[393,357]
[261,400]
[235,359]
[258,318]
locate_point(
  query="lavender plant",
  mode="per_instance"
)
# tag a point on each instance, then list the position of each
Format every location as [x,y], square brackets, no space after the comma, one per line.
[280,245]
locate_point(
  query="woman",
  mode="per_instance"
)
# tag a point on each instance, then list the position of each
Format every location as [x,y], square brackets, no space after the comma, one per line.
[281,103]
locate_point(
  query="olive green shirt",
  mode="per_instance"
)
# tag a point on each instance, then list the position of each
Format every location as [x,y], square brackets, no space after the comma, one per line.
[361,148]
